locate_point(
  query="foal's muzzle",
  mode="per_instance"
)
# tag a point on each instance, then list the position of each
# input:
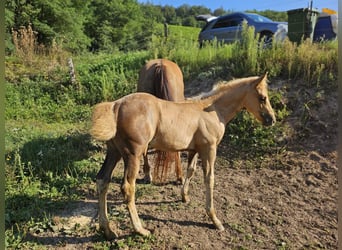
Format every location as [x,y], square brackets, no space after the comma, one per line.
[268,120]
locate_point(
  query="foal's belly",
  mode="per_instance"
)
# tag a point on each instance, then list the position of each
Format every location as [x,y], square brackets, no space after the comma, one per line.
[171,143]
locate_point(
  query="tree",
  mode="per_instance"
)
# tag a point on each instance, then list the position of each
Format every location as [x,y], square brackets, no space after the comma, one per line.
[271,14]
[153,12]
[118,24]
[219,12]
[170,14]
[53,20]
[194,11]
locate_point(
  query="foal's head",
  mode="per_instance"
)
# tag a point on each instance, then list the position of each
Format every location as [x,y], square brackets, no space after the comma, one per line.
[258,103]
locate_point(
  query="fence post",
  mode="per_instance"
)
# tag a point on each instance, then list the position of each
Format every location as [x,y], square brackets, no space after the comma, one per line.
[71,71]
[166,30]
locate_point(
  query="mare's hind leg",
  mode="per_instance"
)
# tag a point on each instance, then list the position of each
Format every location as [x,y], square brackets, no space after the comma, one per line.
[147,170]
[178,167]
[132,165]
[102,181]
[192,164]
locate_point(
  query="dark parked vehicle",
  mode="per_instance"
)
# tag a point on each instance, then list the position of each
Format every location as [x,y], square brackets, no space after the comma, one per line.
[326,27]
[228,28]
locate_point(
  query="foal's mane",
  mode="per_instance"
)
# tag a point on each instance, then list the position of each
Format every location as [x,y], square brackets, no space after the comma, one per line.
[222,86]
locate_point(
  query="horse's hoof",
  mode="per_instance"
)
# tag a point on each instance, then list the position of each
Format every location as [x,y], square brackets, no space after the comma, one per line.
[185,199]
[144,232]
[220,228]
[219,225]
[180,181]
[147,180]
[110,235]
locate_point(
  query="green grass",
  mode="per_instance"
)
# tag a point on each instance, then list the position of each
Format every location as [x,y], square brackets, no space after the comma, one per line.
[312,62]
[183,33]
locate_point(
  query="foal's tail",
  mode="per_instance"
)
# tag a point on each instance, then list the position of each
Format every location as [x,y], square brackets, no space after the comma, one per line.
[103,121]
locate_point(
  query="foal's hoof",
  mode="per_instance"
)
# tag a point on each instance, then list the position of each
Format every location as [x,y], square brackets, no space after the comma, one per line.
[185,199]
[180,181]
[220,227]
[144,232]
[110,235]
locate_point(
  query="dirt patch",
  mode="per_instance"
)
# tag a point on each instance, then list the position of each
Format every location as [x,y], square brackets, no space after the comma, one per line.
[288,203]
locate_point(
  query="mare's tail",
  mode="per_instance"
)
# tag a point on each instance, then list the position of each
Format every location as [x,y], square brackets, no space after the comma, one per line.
[163,164]
[103,121]
[164,160]
[161,83]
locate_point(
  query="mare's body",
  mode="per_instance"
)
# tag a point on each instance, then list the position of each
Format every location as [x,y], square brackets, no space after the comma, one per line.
[163,79]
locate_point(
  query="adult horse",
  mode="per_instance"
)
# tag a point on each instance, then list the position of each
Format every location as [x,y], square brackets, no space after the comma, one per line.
[164,79]
[132,123]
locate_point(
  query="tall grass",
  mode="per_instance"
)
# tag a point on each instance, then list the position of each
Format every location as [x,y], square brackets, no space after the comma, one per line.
[34,60]
[312,62]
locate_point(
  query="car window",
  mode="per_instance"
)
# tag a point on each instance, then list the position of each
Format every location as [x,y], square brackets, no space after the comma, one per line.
[228,22]
[206,25]
[259,19]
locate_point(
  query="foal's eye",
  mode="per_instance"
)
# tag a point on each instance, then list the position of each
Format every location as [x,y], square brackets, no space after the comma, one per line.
[262,99]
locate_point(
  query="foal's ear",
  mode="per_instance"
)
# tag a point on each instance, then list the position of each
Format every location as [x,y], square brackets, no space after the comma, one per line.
[264,77]
[261,80]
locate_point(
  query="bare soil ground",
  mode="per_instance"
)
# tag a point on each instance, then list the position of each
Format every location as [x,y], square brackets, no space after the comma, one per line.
[288,201]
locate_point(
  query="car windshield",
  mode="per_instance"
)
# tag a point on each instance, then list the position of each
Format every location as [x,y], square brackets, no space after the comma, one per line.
[258,18]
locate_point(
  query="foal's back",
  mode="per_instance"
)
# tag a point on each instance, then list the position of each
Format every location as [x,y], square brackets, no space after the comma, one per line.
[164,125]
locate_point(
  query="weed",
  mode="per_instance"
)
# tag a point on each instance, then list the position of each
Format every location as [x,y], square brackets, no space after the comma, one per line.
[25,42]
[35,59]
[145,191]
[135,242]
[238,228]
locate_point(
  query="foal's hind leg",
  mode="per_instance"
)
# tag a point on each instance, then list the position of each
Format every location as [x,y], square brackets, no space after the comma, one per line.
[192,164]
[128,190]
[102,181]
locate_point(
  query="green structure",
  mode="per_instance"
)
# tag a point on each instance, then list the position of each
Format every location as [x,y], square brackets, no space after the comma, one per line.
[301,24]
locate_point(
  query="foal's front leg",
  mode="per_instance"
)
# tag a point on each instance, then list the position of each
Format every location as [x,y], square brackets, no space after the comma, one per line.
[208,162]
[128,190]
[192,164]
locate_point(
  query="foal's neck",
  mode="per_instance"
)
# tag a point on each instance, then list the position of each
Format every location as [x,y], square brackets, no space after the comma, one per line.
[228,100]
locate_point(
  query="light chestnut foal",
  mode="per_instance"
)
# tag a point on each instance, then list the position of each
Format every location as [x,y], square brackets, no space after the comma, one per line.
[137,121]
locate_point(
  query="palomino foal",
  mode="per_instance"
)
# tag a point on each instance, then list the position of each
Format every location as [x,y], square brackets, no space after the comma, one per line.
[137,121]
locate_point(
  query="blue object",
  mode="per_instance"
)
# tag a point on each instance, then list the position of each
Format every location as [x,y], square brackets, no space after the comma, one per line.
[324,29]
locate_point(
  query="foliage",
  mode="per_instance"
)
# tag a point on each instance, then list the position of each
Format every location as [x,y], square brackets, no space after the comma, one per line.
[249,139]
[313,62]
[280,16]
[109,78]
[55,20]
[117,24]
[99,25]
[33,59]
